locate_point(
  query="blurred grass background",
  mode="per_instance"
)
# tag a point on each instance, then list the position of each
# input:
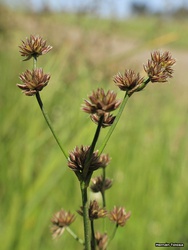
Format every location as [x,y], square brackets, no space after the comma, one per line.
[148,148]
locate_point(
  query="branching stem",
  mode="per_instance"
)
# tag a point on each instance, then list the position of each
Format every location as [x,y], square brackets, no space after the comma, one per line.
[83,187]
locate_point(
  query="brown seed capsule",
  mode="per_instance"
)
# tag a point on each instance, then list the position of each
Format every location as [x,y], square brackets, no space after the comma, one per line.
[33,81]
[33,47]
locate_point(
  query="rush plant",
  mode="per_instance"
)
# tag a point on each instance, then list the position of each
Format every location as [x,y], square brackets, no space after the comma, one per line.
[84,160]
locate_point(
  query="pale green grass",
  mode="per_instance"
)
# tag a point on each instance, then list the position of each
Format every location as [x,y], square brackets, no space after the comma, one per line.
[148,150]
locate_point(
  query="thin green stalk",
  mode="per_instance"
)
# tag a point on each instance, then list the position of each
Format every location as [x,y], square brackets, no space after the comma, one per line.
[96,136]
[103,195]
[126,97]
[93,144]
[103,191]
[113,234]
[45,114]
[34,62]
[86,220]
[93,241]
[49,123]
[74,235]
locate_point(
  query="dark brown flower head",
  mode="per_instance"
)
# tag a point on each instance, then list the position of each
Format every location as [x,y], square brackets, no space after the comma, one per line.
[78,161]
[119,216]
[129,82]
[101,241]
[33,81]
[61,220]
[95,212]
[159,67]
[100,185]
[100,103]
[33,47]
[104,160]
[108,119]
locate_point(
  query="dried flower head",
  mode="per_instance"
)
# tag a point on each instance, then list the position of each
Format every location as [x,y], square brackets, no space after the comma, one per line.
[95,212]
[104,160]
[33,47]
[129,82]
[119,216]
[100,185]
[33,81]
[159,67]
[107,121]
[99,103]
[60,221]
[78,161]
[101,241]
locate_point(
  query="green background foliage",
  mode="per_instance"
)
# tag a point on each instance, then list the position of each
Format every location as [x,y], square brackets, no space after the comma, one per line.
[148,148]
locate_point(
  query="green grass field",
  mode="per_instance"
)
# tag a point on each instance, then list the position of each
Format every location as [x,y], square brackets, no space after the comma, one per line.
[148,148]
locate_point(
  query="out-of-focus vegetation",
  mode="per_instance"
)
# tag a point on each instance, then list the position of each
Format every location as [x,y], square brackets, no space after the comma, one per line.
[148,148]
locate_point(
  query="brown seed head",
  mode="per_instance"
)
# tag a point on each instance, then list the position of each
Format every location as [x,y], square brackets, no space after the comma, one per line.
[61,220]
[100,103]
[33,47]
[95,212]
[100,185]
[119,216]
[104,160]
[78,161]
[101,240]
[108,119]
[33,81]
[159,67]
[129,82]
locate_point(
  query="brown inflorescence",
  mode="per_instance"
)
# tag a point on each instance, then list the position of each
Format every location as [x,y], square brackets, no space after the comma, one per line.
[95,212]
[78,161]
[107,121]
[119,216]
[60,221]
[159,67]
[101,240]
[33,47]
[100,103]
[129,81]
[33,81]
[100,185]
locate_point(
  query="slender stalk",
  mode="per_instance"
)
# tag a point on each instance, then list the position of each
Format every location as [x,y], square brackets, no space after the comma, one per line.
[34,62]
[113,234]
[45,114]
[103,195]
[93,242]
[49,123]
[103,191]
[126,97]
[74,235]
[83,187]
[96,136]
[93,144]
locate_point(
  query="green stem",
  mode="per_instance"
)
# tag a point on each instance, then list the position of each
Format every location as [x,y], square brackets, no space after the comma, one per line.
[49,123]
[126,97]
[93,242]
[34,62]
[83,187]
[93,144]
[96,136]
[45,114]
[113,234]
[103,195]
[103,190]
[74,235]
